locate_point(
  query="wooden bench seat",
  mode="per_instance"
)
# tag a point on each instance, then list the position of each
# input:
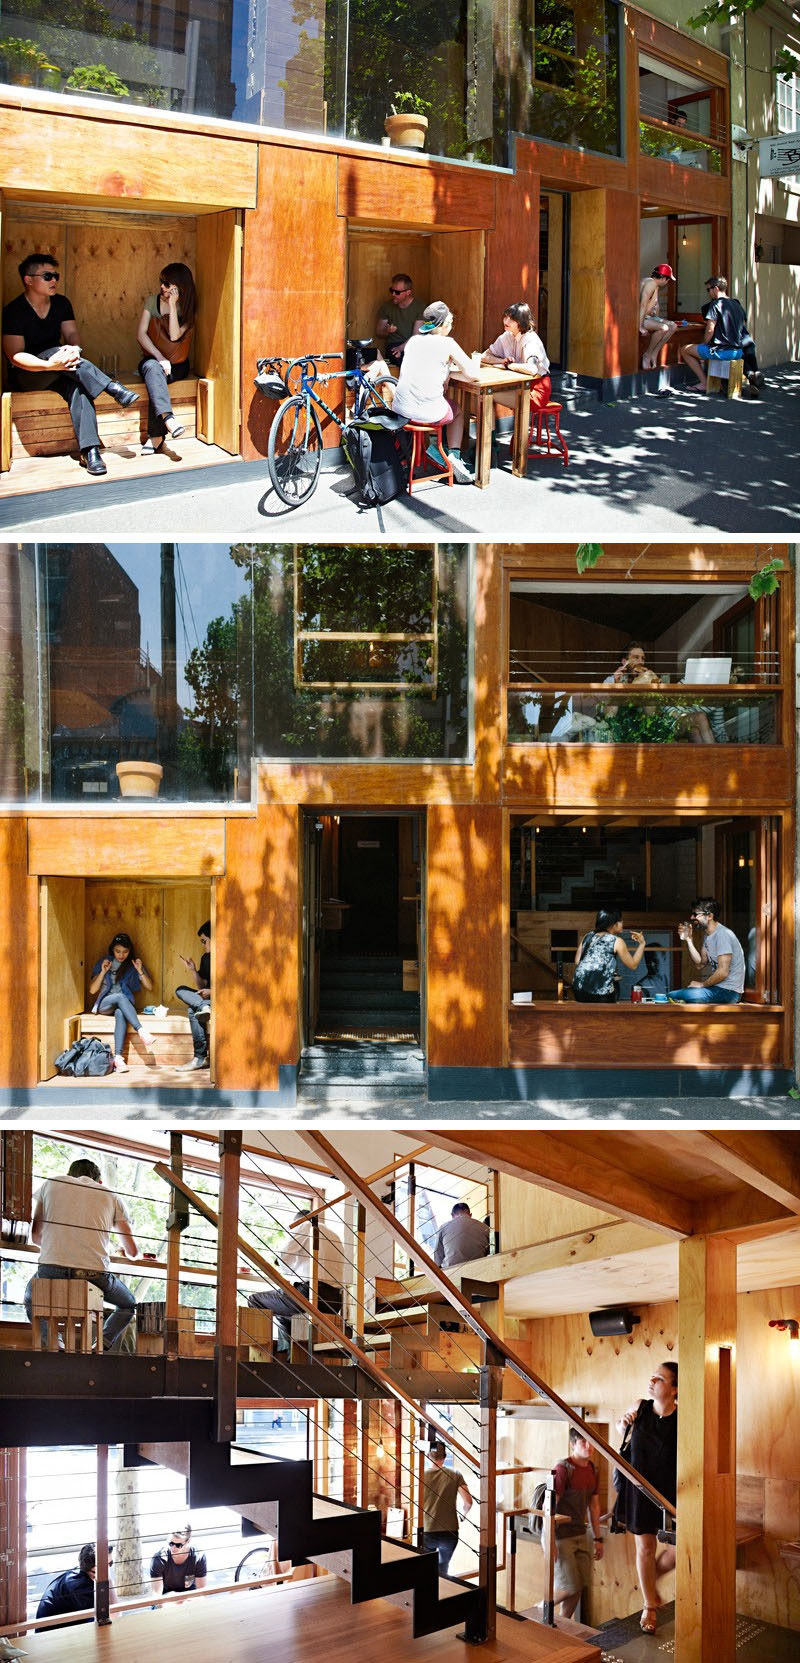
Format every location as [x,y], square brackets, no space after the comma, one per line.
[38,423]
[172,1036]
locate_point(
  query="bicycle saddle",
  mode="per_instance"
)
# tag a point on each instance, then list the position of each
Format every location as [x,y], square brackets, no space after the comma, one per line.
[367,342]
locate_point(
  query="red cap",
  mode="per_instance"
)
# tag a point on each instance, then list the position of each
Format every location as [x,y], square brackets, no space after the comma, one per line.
[664,271]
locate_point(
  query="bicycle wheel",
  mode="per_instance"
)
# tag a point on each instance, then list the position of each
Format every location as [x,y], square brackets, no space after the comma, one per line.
[260,1561]
[379,395]
[294,452]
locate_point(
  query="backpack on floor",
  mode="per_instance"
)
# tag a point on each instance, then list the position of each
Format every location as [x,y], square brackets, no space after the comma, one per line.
[377,453]
[88,1056]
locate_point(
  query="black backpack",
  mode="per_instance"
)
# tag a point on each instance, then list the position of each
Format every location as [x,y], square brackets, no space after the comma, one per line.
[377,453]
[87,1056]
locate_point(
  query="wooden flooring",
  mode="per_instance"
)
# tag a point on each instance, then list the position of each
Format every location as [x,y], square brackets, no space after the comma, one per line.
[123,461]
[300,1623]
[139,1074]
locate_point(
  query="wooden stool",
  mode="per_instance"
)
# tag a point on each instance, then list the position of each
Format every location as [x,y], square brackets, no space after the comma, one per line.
[728,370]
[543,416]
[418,430]
[72,1308]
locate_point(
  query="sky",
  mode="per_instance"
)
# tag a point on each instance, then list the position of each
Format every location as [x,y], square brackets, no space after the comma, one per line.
[213,583]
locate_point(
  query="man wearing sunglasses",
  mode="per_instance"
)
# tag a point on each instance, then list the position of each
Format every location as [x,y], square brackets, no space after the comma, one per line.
[399,318]
[177,1566]
[40,341]
[720,957]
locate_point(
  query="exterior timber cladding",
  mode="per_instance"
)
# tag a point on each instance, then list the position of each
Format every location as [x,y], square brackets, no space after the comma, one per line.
[274,220]
[478,1042]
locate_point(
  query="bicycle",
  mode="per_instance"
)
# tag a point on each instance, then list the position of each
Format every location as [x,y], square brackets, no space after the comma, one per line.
[259,1562]
[294,449]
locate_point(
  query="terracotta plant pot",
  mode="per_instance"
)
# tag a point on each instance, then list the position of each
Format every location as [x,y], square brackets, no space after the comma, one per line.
[139,779]
[407,130]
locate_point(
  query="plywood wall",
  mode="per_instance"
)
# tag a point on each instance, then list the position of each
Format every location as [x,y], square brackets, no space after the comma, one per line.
[109,264]
[531,1214]
[63,954]
[587,281]
[457,262]
[372,259]
[257,987]
[465,968]
[19,959]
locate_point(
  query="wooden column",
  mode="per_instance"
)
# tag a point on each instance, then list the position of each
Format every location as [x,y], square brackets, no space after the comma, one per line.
[176,1223]
[13,1536]
[101,1588]
[705,1621]
[350,1452]
[491,1386]
[225,1355]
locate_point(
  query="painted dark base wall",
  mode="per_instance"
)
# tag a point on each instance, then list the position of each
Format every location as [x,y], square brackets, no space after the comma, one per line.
[526,1085]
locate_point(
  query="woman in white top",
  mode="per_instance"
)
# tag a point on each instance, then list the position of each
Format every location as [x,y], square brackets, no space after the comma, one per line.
[424,373]
[520,348]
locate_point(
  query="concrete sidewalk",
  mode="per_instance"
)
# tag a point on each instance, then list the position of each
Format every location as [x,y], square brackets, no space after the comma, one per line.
[652,466]
[676,1111]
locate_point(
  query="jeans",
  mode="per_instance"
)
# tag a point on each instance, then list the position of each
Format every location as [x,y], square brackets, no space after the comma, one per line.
[114,1292]
[444,1542]
[329,1298]
[159,403]
[198,1024]
[706,995]
[124,1013]
[79,388]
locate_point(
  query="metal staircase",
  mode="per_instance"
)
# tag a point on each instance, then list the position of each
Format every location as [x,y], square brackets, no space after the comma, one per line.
[277,1496]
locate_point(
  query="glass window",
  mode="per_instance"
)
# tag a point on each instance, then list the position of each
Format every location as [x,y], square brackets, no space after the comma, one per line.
[308,65]
[568,90]
[120,655]
[562,876]
[361,653]
[681,120]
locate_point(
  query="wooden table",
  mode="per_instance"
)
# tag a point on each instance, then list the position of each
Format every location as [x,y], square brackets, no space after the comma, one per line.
[494,380]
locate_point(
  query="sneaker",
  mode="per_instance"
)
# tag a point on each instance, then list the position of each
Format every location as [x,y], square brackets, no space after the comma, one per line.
[120,1065]
[146,1038]
[432,450]
[196,1062]
[461,473]
[205,1010]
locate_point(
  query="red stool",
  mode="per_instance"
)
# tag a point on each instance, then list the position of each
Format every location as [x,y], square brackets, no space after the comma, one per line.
[418,431]
[543,416]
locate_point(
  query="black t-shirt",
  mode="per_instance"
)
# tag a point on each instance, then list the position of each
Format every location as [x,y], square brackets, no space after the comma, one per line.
[177,1578]
[730,322]
[19,318]
[204,970]
[71,1591]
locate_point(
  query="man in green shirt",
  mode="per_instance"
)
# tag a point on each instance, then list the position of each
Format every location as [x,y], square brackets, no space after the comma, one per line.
[442,1485]
[398,318]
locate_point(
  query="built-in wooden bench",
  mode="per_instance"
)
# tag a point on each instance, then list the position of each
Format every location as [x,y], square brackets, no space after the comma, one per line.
[172,1037]
[72,1309]
[38,424]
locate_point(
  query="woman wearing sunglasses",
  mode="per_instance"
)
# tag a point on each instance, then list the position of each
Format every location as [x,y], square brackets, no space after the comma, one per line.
[165,334]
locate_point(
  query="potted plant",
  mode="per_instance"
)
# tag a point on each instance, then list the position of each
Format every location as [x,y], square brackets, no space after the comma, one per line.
[97,81]
[139,779]
[22,61]
[408,123]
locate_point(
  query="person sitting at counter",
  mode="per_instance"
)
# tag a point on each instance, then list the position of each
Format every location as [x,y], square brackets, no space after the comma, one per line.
[721,951]
[595,980]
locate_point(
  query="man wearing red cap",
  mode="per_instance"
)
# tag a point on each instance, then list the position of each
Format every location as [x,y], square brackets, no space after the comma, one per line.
[658,330]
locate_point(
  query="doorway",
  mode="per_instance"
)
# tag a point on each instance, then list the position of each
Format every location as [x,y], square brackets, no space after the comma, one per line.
[552,315]
[363,927]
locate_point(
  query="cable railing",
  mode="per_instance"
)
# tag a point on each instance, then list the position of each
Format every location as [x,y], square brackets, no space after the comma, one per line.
[577,665]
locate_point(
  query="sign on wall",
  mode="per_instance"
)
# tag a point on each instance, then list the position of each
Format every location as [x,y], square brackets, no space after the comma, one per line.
[779,155]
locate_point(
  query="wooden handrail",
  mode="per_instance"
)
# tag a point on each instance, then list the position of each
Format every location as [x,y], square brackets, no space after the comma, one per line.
[142,1602]
[453,1294]
[318,1317]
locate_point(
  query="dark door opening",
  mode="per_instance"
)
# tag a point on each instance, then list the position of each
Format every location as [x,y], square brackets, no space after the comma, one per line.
[552,316]
[363,936]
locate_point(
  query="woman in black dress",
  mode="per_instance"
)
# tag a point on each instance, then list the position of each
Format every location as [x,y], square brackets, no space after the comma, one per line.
[653,1452]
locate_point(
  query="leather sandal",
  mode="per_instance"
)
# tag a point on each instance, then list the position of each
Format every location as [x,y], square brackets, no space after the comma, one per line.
[649,1620]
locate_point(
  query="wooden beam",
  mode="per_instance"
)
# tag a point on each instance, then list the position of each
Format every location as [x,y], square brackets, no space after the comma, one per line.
[605,1241]
[767,1161]
[568,1163]
[738,1210]
[705,1603]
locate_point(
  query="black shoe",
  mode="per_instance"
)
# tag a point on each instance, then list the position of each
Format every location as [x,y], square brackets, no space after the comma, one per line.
[123,395]
[92,461]
[756,379]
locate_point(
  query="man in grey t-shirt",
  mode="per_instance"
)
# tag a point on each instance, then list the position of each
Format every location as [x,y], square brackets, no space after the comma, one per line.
[461,1238]
[721,952]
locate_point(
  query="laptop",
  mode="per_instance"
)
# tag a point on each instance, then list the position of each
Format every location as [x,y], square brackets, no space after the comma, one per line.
[705,670]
